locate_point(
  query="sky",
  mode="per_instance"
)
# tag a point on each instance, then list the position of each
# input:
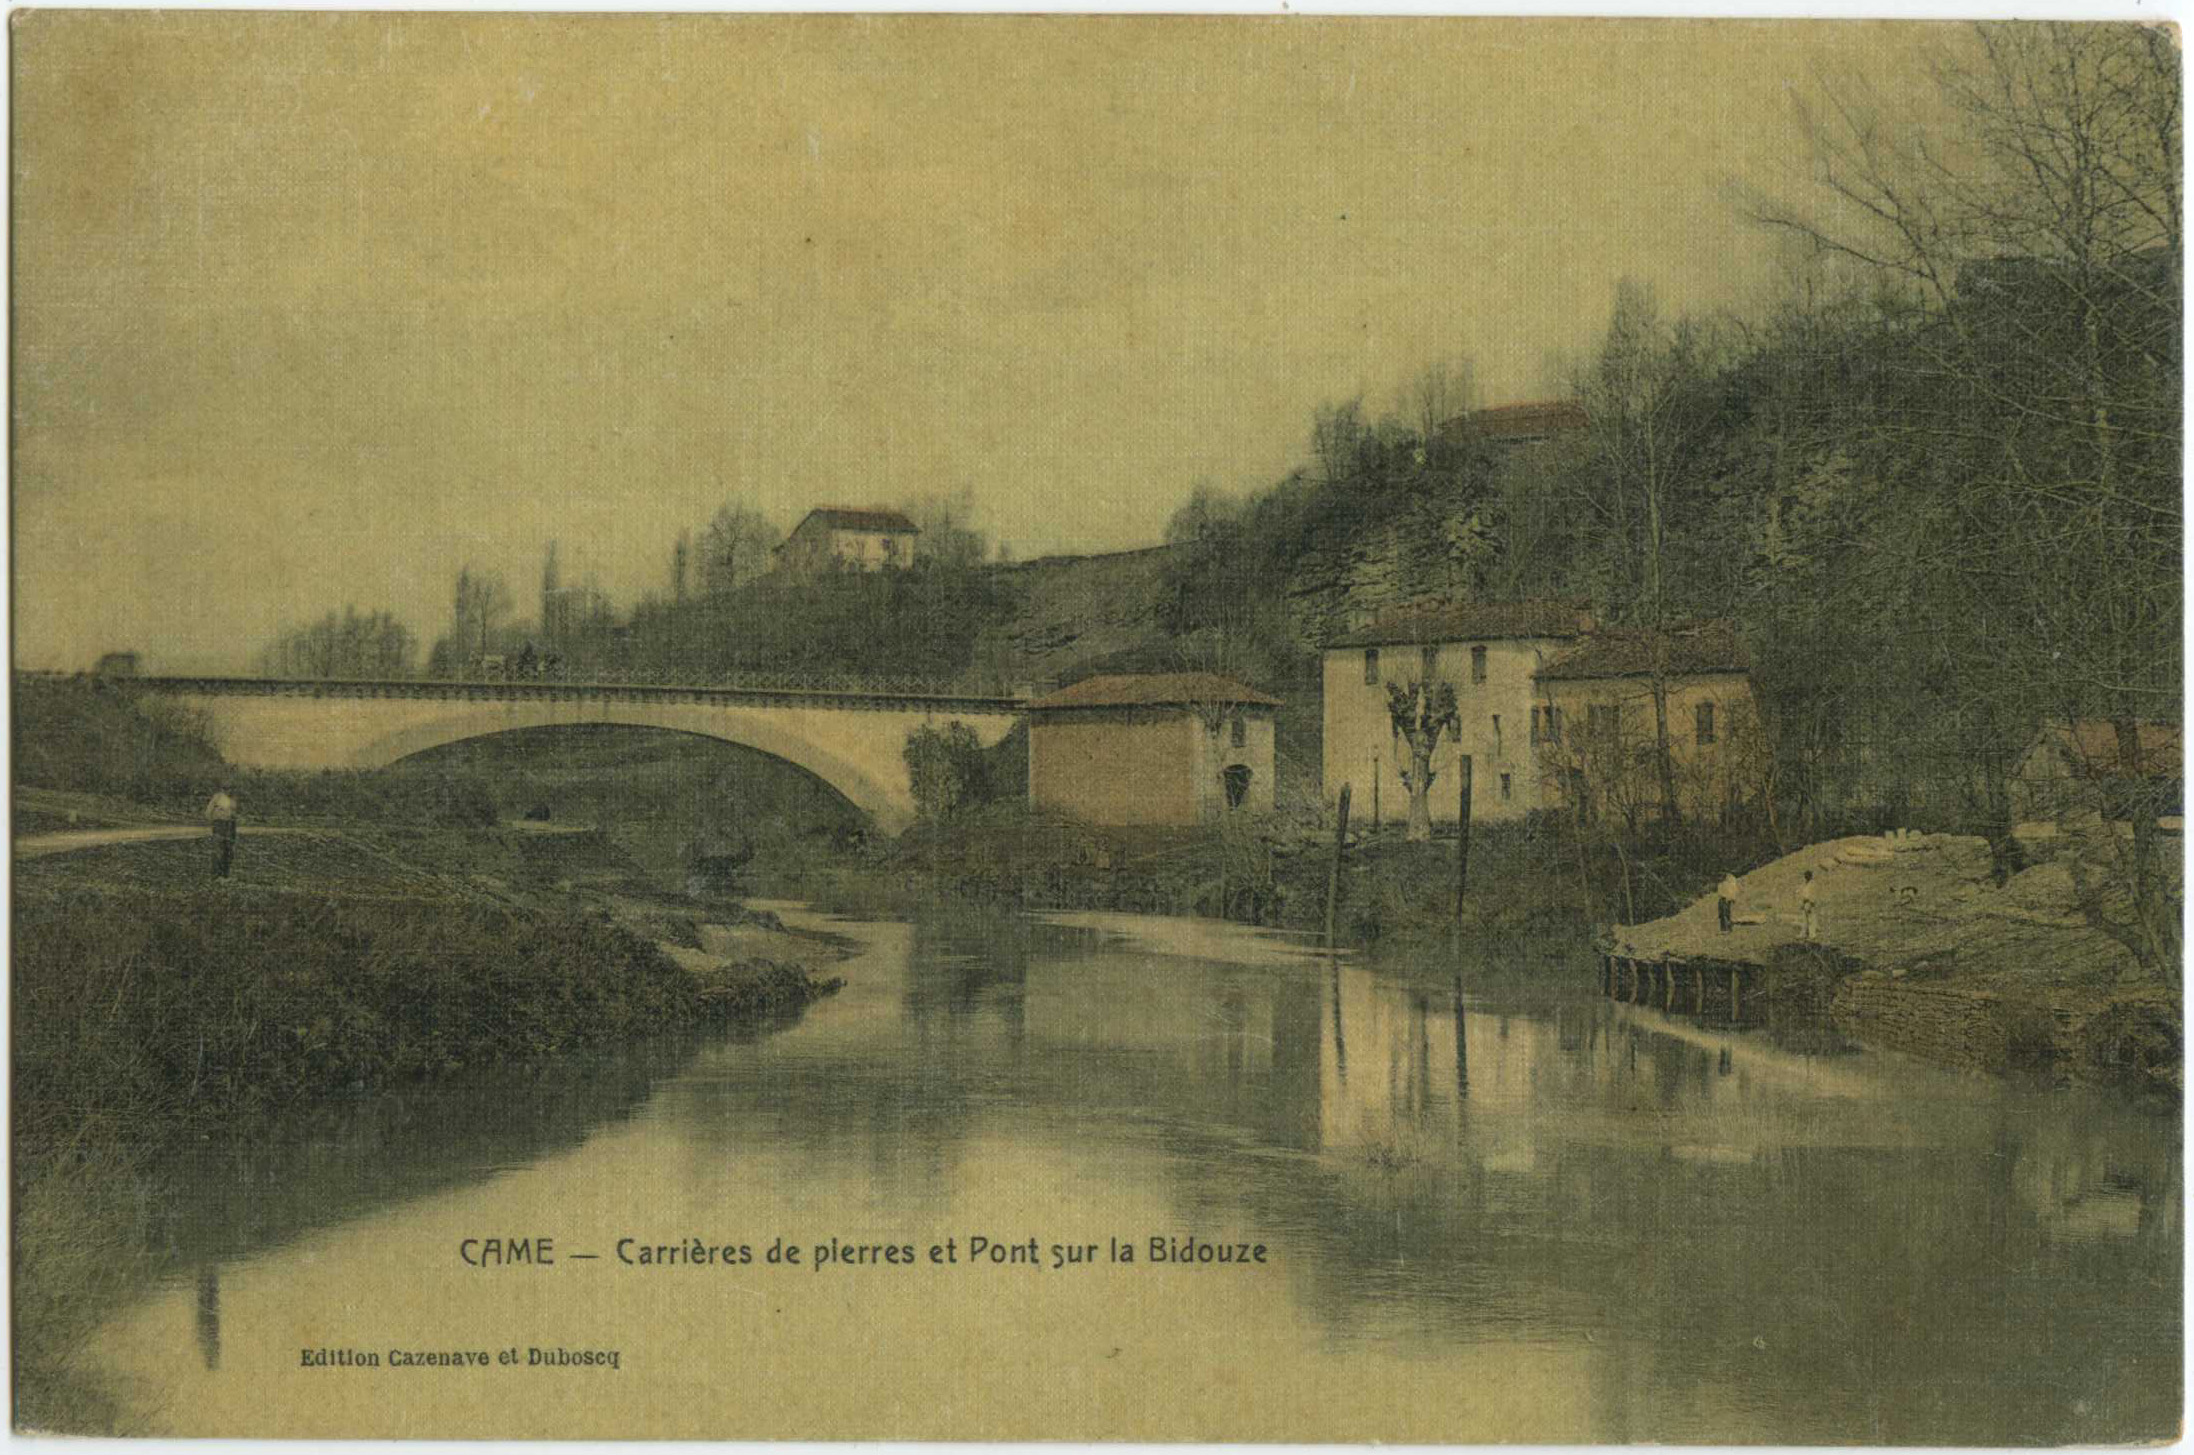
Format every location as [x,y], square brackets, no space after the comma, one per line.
[313,309]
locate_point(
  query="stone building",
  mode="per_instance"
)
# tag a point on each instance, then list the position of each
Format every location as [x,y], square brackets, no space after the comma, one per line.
[1491,653]
[1593,725]
[837,538]
[1168,748]
[2077,768]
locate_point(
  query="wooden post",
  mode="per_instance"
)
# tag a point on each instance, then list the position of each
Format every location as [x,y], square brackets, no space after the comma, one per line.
[1607,975]
[1462,838]
[1333,878]
[1462,1049]
[1698,992]
[1376,821]
[1736,994]
[1668,984]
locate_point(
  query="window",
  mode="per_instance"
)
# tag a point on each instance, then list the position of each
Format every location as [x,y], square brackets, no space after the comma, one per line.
[1236,781]
[1705,715]
[1546,725]
[1477,664]
[1506,785]
[1428,661]
[1601,720]
[1240,734]
[1371,666]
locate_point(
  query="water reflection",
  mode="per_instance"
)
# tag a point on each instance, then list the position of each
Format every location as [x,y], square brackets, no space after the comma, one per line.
[209,1314]
[1562,1220]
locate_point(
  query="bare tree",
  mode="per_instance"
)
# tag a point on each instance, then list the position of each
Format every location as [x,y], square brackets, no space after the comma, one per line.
[1641,396]
[482,602]
[950,537]
[1419,713]
[351,644]
[1443,392]
[735,548]
[2030,262]
[1337,435]
[1206,509]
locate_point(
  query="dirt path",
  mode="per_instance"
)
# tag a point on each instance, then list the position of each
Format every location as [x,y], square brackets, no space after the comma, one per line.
[37,845]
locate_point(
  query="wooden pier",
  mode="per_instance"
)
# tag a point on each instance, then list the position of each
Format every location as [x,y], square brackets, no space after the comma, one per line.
[1693,986]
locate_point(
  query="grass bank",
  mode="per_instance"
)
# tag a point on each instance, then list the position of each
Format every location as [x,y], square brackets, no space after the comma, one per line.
[153,1005]
[1531,895]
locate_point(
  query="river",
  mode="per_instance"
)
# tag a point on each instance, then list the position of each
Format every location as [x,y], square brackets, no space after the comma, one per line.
[1546,1219]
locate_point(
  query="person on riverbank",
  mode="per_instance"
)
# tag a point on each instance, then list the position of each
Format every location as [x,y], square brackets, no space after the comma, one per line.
[1808,924]
[1726,904]
[221,818]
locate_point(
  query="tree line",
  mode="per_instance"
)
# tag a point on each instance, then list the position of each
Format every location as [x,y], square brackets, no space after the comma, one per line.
[1936,484]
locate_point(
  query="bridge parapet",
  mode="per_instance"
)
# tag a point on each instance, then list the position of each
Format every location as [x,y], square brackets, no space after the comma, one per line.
[887,694]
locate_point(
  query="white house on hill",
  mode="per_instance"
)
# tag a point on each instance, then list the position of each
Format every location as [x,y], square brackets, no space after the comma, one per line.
[837,538]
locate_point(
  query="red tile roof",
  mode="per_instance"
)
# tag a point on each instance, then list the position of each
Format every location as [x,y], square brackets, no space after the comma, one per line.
[1475,621]
[842,517]
[1533,419]
[2091,746]
[1697,648]
[1156,689]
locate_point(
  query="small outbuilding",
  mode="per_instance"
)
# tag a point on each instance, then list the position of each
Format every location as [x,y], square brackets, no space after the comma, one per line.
[2089,766]
[1161,748]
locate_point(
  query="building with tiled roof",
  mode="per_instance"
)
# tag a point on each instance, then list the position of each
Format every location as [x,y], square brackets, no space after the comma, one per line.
[847,538]
[1152,748]
[1532,422]
[1596,726]
[2081,767]
[1491,653]
[1471,621]
[1154,689]
[1523,426]
[1688,649]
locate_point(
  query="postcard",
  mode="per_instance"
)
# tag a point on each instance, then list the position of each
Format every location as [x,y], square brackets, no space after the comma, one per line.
[1178,729]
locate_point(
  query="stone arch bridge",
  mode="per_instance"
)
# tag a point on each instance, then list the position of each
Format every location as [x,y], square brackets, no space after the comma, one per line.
[853,739]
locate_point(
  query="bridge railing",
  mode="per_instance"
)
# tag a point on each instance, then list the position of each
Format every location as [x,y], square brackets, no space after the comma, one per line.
[821,683]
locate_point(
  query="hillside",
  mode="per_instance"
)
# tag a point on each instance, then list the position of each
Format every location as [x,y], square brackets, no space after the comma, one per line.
[1070,611]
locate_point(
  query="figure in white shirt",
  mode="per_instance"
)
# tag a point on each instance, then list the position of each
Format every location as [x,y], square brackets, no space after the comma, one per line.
[221,817]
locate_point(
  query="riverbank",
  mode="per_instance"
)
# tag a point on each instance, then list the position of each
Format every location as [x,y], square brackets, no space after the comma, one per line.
[154,1005]
[1529,896]
[1920,952]
[1919,945]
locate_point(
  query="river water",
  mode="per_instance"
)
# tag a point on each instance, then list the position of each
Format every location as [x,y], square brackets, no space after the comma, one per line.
[1543,1219]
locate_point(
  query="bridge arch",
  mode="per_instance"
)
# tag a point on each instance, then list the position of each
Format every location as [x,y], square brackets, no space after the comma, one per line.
[886,803]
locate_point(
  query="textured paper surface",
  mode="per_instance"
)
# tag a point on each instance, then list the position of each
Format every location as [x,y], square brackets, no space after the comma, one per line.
[325,309]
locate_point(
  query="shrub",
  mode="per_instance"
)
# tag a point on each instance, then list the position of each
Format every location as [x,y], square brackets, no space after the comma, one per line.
[91,735]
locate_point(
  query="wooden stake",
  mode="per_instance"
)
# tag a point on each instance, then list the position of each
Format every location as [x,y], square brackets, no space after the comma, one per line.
[1462,839]
[1333,879]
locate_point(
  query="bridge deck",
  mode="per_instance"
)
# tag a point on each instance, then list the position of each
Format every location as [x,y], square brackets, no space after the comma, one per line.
[851,695]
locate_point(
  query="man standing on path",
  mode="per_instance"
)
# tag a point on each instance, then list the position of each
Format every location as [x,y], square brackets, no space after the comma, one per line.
[221,816]
[1807,926]
[1727,903]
